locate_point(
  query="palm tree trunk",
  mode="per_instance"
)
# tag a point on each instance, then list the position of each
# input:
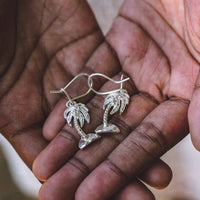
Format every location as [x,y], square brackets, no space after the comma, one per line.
[105,116]
[78,128]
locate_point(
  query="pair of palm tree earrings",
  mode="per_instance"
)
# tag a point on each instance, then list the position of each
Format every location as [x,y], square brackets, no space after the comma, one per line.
[116,100]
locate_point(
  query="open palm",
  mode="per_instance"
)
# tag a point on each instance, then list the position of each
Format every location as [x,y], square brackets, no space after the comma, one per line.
[46,48]
[40,44]
[151,42]
[43,45]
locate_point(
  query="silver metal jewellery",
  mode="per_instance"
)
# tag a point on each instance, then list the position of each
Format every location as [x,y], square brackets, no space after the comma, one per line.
[116,100]
[79,113]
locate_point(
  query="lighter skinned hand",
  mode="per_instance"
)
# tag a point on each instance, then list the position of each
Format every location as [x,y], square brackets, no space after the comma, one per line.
[194,109]
[154,42]
[43,45]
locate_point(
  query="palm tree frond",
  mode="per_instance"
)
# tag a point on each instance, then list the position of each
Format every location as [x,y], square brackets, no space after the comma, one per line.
[110,99]
[86,116]
[115,107]
[82,107]
[123,106]
[81,119]
[115,100]
[69,118]
[69,109]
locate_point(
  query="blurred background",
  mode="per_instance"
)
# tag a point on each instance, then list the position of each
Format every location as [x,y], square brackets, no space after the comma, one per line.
[18,183]
[16,180]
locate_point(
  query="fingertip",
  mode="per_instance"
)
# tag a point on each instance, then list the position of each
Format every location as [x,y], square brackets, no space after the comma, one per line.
[46,133]
[60,186]
[158,175]
[135,190]
[37,170]
[54,156]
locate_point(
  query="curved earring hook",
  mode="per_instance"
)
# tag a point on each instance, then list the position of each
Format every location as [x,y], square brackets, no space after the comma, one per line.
[90,83]
[63,90]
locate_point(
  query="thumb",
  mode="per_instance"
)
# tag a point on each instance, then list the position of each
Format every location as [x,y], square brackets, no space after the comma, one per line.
[194,116]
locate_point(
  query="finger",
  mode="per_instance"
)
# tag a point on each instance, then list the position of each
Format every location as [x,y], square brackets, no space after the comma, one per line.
[158,175]
[65,141]
[57,188]
[98,55]
[55,121]
[160,130]
[64,145]
[67,179]
[46,41]
[142,105]
[194,116]
[134,191]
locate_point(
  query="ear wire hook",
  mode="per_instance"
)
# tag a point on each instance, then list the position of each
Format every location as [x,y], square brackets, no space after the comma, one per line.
[90,83]
[63,90]
[78,113]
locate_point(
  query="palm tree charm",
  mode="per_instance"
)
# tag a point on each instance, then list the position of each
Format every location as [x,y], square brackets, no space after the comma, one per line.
[117,101]
[79,113]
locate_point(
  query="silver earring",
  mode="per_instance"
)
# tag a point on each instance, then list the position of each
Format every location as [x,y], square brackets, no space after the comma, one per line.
[116,100]
[79,113]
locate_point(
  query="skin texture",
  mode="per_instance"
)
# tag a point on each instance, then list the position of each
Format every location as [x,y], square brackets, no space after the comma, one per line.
[49,44]
[194,109]
[153,49]
[43,45]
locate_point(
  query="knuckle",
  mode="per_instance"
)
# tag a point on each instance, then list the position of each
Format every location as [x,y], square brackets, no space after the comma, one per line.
[79,165]
[142,147]
[150,139]
[114,168]
[96,104]
[70,136]
[125,129]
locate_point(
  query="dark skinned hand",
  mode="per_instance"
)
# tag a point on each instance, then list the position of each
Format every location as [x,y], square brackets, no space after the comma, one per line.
[45,44]
[153,41]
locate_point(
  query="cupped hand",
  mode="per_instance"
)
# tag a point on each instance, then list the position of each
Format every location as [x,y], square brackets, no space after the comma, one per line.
[152,40]
[35,37]
[43,45]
